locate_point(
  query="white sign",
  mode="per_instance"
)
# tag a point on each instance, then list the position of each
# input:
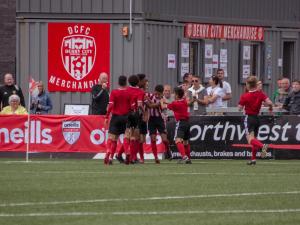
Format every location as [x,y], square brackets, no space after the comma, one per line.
[279,62]
[184,68]
[208,70]
[208,51]
[185,50]
[223,66]
[79,109]
[246,71]
[171,61]
[246,52]
[223,56]
[215,61]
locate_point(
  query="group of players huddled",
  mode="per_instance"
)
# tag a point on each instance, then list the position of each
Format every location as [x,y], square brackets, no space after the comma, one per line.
[133,111]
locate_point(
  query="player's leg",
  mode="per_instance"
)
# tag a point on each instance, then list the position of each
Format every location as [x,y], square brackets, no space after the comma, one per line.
[143,132]
[186,143]
[152,126]
[161,128]
[168,153]
[113,147]
[141,147]
[154,148]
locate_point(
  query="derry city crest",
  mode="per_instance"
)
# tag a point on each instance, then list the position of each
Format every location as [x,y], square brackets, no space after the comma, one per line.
[78,53]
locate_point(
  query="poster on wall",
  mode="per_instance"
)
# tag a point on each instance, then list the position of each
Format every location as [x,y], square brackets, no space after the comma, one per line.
[208,70]
[208,51]
[215,61]
[246,52]
[171,61]
[223,55]
[246,71]
[185,50]
[184,68]
[77,54]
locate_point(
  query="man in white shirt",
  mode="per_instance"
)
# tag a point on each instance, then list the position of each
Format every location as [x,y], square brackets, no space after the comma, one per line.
[226,96]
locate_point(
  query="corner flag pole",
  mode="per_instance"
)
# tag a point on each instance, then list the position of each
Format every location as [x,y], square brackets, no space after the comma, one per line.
[31,87]
[28,122]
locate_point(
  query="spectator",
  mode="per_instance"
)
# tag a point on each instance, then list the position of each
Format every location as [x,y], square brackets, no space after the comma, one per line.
[185,87]
[168,98]
[276,93]
[187,80]
[283,92]
[40,104]
[259,85]
[9,88]
[198,98]
[100,96]
[226,89]
[215,92]
[292,102]
[14,107]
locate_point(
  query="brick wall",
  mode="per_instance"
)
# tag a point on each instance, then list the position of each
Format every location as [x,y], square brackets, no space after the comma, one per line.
[7,37]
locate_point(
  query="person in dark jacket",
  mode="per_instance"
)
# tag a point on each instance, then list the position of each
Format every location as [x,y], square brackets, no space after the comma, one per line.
[292,102]
[100,95]
[10,88]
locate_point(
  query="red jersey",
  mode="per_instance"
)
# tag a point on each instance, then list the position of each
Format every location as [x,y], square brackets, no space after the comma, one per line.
[180,109]
[136,95]
[252,101]
[119,102]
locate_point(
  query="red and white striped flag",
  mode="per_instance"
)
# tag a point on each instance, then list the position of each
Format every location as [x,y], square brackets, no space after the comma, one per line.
[33,86]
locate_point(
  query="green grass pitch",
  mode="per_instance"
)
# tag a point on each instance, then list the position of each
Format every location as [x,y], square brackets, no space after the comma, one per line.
[208,192]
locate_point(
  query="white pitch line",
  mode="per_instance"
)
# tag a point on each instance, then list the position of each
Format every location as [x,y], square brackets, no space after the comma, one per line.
[151,213]
[147,198]
[132,173]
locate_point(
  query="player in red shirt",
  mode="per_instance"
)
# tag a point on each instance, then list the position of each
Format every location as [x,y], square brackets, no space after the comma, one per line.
[182,132]
[251,102]
[131,140]
[119,106]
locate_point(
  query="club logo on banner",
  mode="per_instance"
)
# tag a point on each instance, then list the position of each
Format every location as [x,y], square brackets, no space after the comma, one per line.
[77,54]
[71,131]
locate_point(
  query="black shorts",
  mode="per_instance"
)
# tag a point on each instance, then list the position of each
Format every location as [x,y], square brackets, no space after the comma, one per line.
[117,124]
[182,130]
[133,120]
[156,124]
[142,126]
[252,124]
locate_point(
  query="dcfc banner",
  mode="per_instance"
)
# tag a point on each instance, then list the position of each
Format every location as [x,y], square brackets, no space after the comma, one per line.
[77,54]
[225,137]
[82,134]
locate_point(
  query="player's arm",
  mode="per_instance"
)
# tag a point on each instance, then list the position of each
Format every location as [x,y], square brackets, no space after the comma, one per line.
[241,104]
[110,105]
[269,103]
[240,107]
[151,104]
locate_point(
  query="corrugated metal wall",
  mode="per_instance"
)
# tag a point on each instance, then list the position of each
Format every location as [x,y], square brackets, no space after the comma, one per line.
[76,6]
[161,39]
[32,57]
[152,40]
[280,13]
